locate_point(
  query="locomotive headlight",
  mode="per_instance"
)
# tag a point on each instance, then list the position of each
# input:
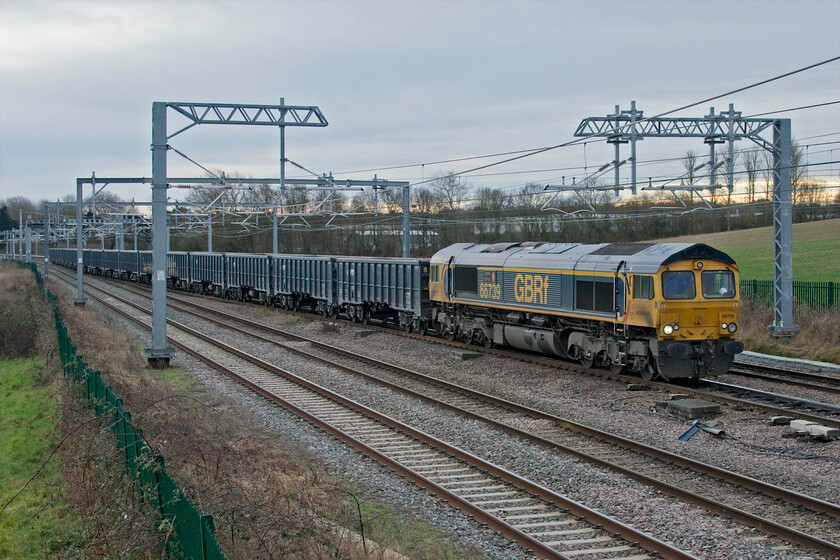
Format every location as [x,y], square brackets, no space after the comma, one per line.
[676,327]
[724,326]
[668,329]
[732,328]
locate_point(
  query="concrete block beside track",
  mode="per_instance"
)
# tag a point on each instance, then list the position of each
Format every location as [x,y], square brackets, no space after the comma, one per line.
[818,431]
[801,426]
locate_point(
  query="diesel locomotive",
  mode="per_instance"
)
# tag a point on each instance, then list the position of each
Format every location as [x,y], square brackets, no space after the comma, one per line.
[658,309]
[666,310]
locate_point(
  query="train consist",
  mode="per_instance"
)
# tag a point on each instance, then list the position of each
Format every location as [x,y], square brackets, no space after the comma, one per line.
[666,310]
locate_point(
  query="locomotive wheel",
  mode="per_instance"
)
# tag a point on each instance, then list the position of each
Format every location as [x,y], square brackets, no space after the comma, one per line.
[588,362]
[617,368]
[487,342]
[449,335]
[648,372]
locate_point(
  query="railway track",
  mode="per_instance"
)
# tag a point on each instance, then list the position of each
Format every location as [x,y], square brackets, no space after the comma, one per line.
[824,413]
[548,524]
[816,381]
[792,516]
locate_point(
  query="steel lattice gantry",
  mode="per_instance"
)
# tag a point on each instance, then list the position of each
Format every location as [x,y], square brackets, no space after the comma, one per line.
[726,126]
[282,115]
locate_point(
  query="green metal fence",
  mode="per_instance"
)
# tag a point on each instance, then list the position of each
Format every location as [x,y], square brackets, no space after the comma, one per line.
[192,533]
[816,295]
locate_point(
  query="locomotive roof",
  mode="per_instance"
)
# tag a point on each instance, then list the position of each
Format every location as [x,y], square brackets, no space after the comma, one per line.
[639,257]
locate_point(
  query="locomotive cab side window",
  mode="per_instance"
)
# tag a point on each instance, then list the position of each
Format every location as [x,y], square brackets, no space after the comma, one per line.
[678,285]
[434,272]
[718,284]
[642,287]
[466,279]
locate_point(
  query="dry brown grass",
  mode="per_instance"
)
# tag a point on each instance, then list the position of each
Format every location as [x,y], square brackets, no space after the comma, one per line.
[818,339]
[269,500]
[22,314]
[114,522]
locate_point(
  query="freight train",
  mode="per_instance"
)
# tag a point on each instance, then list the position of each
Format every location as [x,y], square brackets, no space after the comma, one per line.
[662,310]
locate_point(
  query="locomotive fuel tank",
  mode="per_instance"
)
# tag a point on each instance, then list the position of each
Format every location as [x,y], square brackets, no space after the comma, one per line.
[527,338]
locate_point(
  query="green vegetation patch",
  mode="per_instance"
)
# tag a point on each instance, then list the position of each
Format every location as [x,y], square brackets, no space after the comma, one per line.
[32,523]
[412,538]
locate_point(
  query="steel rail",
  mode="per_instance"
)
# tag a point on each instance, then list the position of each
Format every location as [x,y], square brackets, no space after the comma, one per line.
[649,543]
[826,383]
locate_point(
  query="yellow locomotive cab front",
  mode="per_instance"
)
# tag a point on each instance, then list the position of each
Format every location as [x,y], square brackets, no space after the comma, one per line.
[698,315]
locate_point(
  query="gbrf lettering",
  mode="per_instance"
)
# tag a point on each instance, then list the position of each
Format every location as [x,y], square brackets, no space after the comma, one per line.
[531,288]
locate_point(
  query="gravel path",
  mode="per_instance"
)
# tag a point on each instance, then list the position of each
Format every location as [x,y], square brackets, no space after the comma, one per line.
[598,402]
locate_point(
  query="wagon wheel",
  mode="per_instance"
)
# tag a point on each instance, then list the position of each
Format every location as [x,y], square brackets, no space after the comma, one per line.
[449,335]
[407,327]
[617,368]
[365,317]
[488,342]
[588,362]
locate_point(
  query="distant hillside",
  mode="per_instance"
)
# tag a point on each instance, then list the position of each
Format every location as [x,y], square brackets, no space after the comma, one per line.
[816,250]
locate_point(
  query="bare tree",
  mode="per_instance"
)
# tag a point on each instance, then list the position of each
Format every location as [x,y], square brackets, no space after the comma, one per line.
[767,174]
[797,171]
[752,161]
[690,164]
[392,199]
[15,204]
[450,189]
[423,200]
[490,199]
[297,199]
[531,197]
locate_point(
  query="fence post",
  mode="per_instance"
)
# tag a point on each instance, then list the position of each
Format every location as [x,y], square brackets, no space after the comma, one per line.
[208,533]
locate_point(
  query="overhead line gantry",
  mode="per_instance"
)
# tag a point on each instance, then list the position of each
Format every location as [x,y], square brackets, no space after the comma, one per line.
[726,126]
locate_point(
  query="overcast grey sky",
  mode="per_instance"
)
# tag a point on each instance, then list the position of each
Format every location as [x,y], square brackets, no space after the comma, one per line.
[401,83]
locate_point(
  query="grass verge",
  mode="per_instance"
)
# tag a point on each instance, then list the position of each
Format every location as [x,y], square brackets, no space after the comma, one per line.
[28,418]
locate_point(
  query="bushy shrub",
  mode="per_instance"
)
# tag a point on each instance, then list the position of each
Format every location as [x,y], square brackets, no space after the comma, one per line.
[23,313]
